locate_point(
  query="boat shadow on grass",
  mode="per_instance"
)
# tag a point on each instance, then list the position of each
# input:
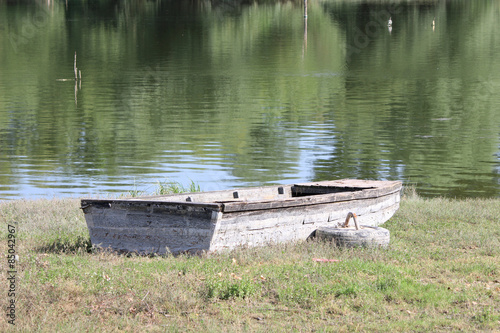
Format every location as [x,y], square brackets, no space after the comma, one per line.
[69,245]
[83,244]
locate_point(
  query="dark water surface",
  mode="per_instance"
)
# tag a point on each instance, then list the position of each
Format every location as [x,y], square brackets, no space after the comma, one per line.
[230,95]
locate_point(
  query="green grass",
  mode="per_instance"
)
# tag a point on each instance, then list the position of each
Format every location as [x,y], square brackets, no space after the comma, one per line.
[166,187]
[441,272]
[172,187]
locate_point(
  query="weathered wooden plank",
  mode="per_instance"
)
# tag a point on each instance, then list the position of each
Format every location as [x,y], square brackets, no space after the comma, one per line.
[307,213]
[242,194]
[167,231]
[137,204]
[114,219]
[310,200]
[377,218]
[261,237]
[140,242]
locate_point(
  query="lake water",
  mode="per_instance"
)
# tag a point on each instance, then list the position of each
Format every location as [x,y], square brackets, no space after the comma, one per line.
[228,95]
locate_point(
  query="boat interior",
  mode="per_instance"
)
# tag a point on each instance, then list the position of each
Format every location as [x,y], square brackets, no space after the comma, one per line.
[266,193]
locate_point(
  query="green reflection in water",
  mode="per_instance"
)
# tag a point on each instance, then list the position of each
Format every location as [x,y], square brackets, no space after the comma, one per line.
[237,95]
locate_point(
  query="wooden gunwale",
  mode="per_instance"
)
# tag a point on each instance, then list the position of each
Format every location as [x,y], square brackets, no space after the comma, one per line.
[310,200]
[179,205]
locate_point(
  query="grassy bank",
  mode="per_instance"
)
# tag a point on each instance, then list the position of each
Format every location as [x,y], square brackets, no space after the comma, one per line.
[440,273]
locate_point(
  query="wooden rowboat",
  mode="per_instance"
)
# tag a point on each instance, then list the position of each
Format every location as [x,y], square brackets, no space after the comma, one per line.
[220,220]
